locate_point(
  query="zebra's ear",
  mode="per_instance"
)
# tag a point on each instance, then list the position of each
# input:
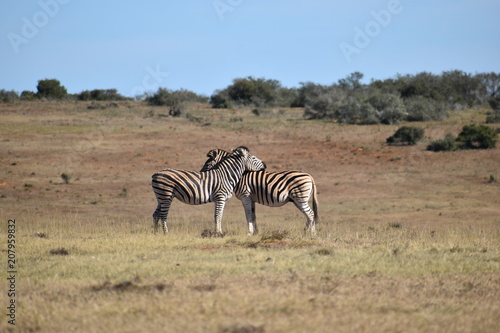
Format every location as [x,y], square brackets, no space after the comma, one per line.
[241,150]
[212,153]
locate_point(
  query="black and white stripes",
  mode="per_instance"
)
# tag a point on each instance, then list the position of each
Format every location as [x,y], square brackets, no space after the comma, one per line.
[196,188]
[272,189]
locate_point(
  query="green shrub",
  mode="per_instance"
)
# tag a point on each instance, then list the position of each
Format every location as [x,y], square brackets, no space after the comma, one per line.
[446,144]
[101,95]
[493,117]
[406,135]
[51,88]
[495,102]
[421,108]
[477,137]
[8,96]
[250,91]
[178,109]
[390,108]
[65,177]
[27,95]
[220,100]
[167,97]
[175,99]
[357,110]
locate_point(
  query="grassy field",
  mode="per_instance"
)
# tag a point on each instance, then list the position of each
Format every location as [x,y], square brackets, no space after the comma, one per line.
[408,241]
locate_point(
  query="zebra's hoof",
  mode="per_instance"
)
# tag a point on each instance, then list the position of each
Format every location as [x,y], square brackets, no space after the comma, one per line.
[218,234]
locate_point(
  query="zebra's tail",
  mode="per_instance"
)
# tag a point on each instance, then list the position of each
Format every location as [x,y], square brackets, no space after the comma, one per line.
[315,203]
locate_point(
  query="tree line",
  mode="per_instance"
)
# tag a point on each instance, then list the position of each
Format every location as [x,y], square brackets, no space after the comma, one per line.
[419,97]
[53,90]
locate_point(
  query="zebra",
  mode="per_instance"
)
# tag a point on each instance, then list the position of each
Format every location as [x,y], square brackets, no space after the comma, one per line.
[272,189]
[196,188]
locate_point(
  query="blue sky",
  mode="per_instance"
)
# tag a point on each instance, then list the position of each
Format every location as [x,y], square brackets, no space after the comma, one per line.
[139,46]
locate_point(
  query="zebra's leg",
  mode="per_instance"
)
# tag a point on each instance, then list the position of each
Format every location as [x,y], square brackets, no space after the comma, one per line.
[219,211]
[254,220]
[161,212]
[156,218]
[249,207]
[309,213]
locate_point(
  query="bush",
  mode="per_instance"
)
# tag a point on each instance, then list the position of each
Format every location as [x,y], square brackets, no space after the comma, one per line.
[421,108]
[357,110]
[101,95]
[177,110]
[471,137]
[220,100]
[390,108]
[323,102]
[494,117]
[406,135]
[308,92]
[477,137]
[175,99]
[8,96]
[258,92]
[51,88]
[250,91]
[167,97]
[446,144]
[27,95]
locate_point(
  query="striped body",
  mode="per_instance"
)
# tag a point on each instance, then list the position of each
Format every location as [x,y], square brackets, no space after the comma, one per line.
[196,188]
[272,189]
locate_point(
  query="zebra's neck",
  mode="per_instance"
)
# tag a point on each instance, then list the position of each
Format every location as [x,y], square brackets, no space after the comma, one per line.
[221,155]
[232,167]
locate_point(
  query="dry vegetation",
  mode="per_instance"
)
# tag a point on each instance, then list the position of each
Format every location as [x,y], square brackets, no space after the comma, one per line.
[408,240]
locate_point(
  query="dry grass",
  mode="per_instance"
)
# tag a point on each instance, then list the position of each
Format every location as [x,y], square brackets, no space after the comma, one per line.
[408,240]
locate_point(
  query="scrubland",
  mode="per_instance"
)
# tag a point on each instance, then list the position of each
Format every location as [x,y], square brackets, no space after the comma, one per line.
[408,240]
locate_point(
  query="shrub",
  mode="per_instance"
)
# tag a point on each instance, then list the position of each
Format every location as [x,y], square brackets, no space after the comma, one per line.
[250,91]
[167,97]
[390,108]
[178,109]
[324,103]
[51,88]
[421,108]
[8,96]
[477,137]
[408,135]
[101,95]
[446,144]
[258,92]
[307,92]
[493,117]
[220,100]
[175,99]
[357,110]
[65,177]
[27,95]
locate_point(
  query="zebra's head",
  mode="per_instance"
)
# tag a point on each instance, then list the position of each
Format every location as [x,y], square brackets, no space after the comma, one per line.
[251,162]
[215,156]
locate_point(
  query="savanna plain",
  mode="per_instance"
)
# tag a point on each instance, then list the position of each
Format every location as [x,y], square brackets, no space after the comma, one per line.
[408,240]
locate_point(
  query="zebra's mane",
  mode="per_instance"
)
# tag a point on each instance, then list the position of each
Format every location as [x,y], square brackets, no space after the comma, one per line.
[217,156]
[242,147]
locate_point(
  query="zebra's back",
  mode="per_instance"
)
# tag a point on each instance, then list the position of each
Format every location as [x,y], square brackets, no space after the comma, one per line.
[275,188]
[190,187]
